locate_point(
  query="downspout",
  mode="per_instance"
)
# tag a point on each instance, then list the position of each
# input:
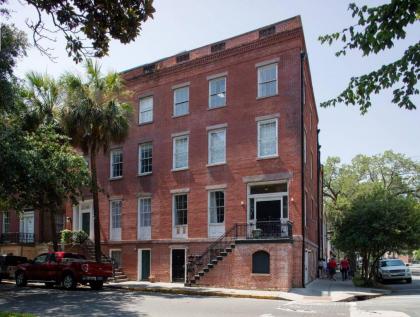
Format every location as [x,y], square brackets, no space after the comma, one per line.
[318,166]
[302,60]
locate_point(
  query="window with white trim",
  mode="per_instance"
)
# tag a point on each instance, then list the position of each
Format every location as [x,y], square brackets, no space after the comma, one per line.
[267,138]
[217,146]
[180,152]
[116,206]
[180,205]
[146,109]
[267,80]
[6,222]
[181,101]
[217,92]
[145,158]
[116,163]
[217,206]
[145,210]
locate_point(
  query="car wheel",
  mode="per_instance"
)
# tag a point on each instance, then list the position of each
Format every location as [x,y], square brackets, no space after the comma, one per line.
[21,279]
[69,282]
[96,285]
[409,280]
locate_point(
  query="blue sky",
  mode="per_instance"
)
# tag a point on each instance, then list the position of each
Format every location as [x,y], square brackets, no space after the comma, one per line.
[185,24]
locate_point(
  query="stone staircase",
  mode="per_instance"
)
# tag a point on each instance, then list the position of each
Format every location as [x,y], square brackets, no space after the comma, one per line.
[118,275]
[212,261]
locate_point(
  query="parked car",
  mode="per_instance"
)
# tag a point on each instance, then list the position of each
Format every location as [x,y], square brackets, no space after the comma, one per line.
[63,268]
[8,265]
[415,268]
[393,269]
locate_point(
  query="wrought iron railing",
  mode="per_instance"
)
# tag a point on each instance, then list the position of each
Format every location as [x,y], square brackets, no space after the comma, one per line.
[273,230]
[17,237]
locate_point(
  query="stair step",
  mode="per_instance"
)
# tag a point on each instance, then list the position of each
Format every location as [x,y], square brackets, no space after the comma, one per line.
[214,261]
[219,257]
[206,269]
[232,246]
[210,265]
[201,273]
[196,277]
[228,249]
[223,253]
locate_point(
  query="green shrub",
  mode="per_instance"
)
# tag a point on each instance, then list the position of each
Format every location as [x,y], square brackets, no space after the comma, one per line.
[80,236]
[66,236]
[15,314]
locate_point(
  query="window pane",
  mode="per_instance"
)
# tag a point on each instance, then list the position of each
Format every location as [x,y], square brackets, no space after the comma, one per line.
[180,152]
[217,147]
[285,207]
[217,92]
[145,156]
[269,188]
[116,214]
[145,212]
[117,163]
[217,207]
[181,101]
[267,80]
[268,138]
[146,110]
[181,209]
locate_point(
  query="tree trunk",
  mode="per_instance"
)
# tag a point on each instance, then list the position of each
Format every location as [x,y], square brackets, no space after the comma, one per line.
[95,194]
[53,231]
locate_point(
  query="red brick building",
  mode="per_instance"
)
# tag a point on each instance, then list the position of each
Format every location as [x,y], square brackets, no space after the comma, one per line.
[218,181]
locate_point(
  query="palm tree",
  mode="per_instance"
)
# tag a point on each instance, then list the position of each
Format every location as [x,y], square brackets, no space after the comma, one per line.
[94,116]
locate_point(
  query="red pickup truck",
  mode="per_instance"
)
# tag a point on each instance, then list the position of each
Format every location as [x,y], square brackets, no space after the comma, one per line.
[63,268]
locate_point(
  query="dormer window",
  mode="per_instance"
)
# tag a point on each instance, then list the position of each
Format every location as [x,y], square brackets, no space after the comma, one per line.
[147,69]
[267,31]
[218,47]
[183,57]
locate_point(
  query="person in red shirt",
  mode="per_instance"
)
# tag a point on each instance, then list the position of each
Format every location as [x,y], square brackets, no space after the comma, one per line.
[332,265]
[344,268]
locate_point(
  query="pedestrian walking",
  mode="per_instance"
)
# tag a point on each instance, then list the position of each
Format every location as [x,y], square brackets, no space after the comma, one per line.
[332,266]
[344,268]
[320,268]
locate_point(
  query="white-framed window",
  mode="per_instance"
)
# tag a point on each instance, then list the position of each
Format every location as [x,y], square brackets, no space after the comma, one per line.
[304,146]
[145,158]
[217,146]
[6,222]
[116,208]
[217,92]
[267,80]
[180,208]
[268,138]
[180,152]
[146,109]
[181,101]
[116,163]
[216,207]
[145,212]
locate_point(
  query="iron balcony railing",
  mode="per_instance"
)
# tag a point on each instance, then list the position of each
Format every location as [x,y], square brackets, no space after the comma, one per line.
[268,230]
[17,237]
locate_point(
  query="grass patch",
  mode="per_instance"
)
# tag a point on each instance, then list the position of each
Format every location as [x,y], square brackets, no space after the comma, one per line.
[15,314]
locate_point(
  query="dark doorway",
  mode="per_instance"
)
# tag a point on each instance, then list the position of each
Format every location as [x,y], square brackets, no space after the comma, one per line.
[86,222]
[268,210]
[145,265]
[178,265]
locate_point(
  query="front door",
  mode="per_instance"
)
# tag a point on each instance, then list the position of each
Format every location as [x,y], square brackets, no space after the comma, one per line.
[86,222]
[178,265]
[144,262]
[268,216]
[27,227]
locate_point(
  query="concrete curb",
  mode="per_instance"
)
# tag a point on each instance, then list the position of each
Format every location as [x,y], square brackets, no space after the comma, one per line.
[195,292]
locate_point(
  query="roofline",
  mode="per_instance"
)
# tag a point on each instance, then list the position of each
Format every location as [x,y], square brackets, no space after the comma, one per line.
[223,40]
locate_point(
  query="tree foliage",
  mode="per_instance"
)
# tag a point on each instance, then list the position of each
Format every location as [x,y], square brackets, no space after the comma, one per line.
[376,30]
[94,116]
[377,222]
[87,26]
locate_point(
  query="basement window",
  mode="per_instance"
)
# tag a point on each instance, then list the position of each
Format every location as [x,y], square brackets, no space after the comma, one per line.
[261,262]
[183,57]
[218,47]
[267,31]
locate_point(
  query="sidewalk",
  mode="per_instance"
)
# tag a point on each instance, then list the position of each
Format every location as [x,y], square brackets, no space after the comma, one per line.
[318,290]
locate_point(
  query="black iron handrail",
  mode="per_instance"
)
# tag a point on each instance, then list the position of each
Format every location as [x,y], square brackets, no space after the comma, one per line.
[17,237]
[276,230]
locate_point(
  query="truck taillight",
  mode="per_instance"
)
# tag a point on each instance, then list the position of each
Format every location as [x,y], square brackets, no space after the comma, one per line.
[85,267]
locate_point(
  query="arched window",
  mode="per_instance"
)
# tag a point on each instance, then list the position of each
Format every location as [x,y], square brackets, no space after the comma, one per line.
[261,262]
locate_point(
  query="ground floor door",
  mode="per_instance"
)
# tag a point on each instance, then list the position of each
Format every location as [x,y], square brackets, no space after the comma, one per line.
[83,217]
[86,222]
[144,258]
[178,265]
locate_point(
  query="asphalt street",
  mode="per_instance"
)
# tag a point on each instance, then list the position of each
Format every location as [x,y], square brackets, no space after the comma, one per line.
[405,301]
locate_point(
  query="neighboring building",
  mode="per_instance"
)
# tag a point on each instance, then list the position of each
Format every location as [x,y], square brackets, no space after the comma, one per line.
[28,233]
[223,147]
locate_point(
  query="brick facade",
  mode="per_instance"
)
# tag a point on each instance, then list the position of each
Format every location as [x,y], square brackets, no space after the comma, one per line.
[238,62]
